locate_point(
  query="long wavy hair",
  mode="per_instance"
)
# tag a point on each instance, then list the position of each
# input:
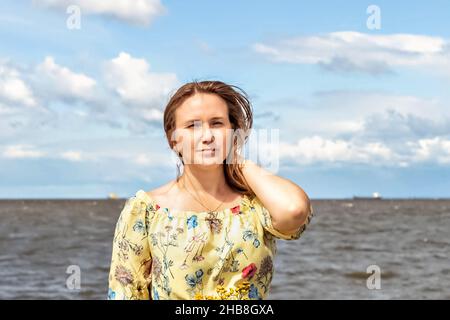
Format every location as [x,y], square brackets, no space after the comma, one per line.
[241,117]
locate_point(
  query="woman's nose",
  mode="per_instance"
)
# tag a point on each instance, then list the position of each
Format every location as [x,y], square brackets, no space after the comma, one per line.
[207,133]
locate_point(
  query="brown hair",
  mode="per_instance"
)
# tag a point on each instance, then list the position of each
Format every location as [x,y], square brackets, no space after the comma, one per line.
[240,115]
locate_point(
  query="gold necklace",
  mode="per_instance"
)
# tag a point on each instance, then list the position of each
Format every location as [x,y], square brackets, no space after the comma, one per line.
[209,210]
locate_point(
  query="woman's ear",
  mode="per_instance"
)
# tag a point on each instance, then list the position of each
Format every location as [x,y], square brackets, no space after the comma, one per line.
[176,149]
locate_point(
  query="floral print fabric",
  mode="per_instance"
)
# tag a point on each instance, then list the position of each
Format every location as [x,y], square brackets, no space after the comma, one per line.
[161,254]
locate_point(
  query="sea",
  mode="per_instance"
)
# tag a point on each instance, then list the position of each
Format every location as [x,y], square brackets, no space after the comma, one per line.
[352,249]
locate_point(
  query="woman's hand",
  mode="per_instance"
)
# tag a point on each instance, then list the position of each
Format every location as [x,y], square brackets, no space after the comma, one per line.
[287,202]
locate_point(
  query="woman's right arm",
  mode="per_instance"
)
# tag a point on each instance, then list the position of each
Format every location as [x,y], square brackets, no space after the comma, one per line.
[130,270]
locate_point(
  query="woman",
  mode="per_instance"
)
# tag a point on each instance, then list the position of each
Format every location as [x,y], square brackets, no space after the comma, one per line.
[211,233]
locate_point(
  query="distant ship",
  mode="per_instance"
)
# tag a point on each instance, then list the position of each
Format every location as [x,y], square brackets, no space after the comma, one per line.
[375,196]
[112,195]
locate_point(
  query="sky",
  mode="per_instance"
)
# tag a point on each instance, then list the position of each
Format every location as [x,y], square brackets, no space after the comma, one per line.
[357,91]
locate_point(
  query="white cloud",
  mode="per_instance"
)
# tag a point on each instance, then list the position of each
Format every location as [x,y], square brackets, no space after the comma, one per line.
[153,159]
[369,128]
[436,149]
[365,116]
[313,149]
[354,51]
[362,103]
[72,155]
[98,151]
[140,12]
[58,81]
[392,125]
[153,115]
[316,149]
[56,92]
[5,110]
[13,88]
[132,80]
[38,85]
[22,152]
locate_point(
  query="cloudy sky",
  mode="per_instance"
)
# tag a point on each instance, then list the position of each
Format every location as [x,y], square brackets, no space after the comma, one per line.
[358,94]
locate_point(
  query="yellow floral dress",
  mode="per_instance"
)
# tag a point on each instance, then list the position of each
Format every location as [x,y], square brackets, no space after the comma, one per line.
[162,254]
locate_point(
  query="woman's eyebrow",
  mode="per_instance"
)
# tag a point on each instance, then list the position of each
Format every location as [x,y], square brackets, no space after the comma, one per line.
[213,118]
[189,121]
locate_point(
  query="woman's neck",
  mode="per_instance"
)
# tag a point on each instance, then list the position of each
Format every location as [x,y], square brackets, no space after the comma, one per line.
[204,180]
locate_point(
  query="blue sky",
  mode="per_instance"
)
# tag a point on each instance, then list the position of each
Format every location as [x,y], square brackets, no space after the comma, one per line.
[359,110]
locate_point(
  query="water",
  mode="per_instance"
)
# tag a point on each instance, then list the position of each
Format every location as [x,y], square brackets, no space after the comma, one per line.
[408,239]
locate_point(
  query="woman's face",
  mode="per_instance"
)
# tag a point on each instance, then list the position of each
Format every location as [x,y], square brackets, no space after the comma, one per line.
[202,123]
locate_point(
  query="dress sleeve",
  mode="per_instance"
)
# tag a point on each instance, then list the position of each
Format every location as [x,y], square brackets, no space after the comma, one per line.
[130,271]
[266,221]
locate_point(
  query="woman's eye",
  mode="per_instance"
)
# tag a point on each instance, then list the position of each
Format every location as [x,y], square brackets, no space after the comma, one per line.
[215,123]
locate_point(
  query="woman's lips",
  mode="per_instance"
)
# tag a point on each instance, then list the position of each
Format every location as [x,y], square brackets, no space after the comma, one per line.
[208,152]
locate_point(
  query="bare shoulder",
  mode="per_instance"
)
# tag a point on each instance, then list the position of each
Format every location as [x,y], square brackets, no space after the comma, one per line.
[161,191]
